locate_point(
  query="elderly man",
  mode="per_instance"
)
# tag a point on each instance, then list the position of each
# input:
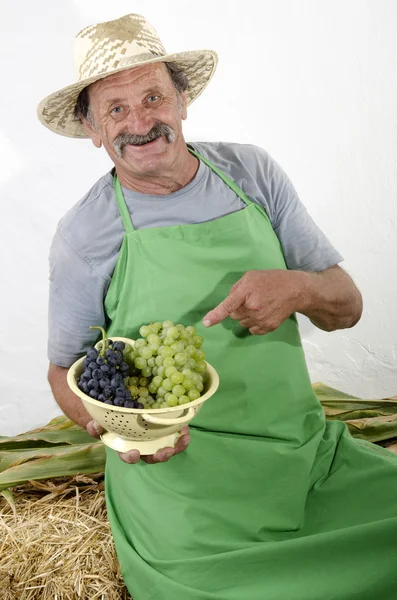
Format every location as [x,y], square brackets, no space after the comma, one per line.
[268,501]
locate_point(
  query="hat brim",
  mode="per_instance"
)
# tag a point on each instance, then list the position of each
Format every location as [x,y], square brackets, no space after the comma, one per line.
[56,111]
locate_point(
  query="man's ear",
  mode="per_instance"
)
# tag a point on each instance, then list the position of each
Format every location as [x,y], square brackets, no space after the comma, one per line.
[183,106]
[92,132]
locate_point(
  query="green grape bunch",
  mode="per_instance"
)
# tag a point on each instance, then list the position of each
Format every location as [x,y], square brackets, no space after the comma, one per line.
[166,365]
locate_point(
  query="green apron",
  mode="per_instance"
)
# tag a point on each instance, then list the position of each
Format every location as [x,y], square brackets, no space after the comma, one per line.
[268,502]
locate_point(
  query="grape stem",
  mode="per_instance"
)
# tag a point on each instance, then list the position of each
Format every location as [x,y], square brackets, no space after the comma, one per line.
[105,342]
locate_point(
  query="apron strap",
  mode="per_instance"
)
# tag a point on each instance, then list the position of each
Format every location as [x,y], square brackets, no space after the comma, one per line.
[229,182]
[124,212]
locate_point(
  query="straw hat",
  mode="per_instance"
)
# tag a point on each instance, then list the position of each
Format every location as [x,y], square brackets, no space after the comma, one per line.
[107,48]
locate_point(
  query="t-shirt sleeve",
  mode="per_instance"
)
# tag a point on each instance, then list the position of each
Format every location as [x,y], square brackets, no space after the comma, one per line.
[305,245]
[75,303]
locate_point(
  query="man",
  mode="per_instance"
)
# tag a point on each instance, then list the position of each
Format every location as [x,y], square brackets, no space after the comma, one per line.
[269,500]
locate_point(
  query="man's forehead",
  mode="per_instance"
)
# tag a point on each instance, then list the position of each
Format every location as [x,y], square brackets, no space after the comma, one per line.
[156,72]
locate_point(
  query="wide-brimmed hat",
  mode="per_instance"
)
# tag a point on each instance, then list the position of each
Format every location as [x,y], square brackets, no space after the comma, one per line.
[107,48]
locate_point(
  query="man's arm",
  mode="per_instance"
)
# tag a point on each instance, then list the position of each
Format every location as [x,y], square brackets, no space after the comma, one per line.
[262,300]
[331,300]
[69,403]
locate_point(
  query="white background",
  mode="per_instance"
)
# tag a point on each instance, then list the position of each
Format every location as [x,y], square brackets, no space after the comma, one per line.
[312,81]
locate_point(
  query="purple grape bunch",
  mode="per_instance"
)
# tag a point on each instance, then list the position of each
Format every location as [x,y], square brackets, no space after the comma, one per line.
[105,374]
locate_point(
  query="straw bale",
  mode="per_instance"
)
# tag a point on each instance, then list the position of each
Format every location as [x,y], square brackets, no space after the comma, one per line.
[56,544]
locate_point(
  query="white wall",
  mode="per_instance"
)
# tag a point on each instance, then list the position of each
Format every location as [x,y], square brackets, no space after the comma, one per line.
[313,82]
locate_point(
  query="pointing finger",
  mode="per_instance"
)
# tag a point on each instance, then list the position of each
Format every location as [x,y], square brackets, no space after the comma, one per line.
[230,304]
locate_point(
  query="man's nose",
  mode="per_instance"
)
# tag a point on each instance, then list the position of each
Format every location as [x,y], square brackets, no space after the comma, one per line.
[139,121]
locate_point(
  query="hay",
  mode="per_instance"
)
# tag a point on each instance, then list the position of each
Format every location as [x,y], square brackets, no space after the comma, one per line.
[56,544]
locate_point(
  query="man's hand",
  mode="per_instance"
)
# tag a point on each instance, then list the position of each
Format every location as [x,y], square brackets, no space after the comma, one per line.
[133,456]
[260,300]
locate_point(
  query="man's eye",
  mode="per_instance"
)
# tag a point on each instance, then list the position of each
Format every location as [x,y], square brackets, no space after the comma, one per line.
[153,98]
[116,110]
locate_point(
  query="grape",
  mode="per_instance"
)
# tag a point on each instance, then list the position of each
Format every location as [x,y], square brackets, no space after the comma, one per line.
[154,340]
[161,392]
[105,368]
[120,392]
[166,352]
[198,341]
[143,381]
[129,404]
[190,350]
[173,332]
[199,356]
[176,376]
[140,344]
[140,362]
[189,383]
[157,381]
[190,363]
[183,335]
[108,392]
[133,389]
[139,405]
[184,399]
[145,352]
[161,371]
[119,346]
[87,375]
[97,374]
[180,358]
[92,365]
[104,382]
[151,363]
[101,398]
[199,387]
[159,361]
[193,394]
[144,331]
[146,372]
[167,324]
[191,330]
[93,393]
[170,370]
[116,380]
[93,384]
[119,401]
[167,385]
[168,341]
[178,390]
[108,402]
[143,391]
[92,354]
[152,388]
[178,347]
[172,400]
[124,368]
[168,362]
[155,371]
[100,361]
[187,372]
[200,367]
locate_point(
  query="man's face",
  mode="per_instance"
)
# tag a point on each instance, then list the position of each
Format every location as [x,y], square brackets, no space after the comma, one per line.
[135,106]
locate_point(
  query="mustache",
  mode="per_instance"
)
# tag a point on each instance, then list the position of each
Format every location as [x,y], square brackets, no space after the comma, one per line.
[158,130]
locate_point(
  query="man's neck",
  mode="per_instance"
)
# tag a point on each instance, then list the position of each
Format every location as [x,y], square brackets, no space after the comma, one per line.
[178,176]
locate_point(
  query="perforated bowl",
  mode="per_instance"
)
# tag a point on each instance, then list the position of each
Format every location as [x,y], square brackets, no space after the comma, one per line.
[146,430]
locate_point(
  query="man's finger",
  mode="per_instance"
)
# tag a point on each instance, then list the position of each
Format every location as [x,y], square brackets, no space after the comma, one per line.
[230,304]
[131,457]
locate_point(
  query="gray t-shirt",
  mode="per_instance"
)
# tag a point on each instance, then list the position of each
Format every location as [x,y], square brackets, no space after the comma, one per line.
[88,238]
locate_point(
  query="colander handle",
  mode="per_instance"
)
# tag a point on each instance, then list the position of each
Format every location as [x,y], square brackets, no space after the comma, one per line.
[157,420]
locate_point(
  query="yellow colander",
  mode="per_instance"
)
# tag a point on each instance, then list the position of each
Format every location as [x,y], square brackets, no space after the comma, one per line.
[146,430]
